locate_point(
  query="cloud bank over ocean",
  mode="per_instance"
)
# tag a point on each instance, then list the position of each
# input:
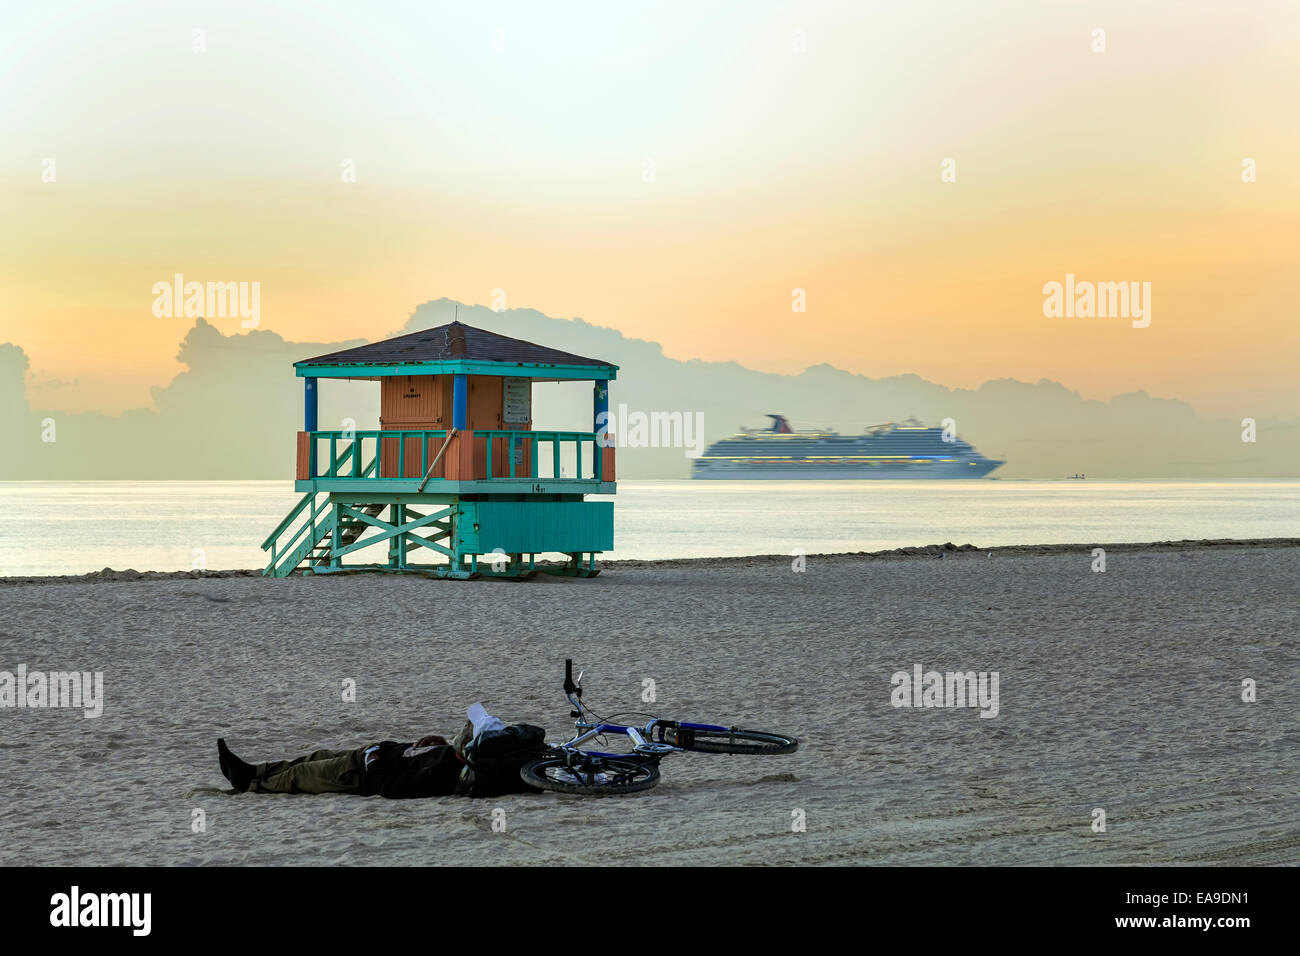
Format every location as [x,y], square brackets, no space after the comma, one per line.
[232,413]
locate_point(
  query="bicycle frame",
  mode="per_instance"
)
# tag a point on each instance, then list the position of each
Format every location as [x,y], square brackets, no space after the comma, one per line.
[643,742]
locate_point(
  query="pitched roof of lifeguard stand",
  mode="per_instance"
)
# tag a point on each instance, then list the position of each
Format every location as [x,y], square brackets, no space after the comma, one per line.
[454,347]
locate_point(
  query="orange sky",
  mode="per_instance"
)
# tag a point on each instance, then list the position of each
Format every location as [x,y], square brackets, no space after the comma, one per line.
[499,148]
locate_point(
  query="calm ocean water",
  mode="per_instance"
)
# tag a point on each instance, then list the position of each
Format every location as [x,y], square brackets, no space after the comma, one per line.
[74,527]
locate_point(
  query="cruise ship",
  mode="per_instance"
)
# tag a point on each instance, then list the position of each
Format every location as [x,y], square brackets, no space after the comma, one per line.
[890,451]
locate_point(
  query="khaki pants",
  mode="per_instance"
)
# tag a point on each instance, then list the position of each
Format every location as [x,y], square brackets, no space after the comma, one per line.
[323,771]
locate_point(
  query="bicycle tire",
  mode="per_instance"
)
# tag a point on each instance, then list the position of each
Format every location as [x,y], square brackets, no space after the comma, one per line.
[622,776]
[731,741]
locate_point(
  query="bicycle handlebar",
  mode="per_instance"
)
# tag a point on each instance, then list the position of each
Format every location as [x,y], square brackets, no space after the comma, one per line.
[572,690]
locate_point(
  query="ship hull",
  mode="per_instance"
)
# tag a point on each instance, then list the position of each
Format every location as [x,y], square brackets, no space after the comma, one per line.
[937,471]
[911,452]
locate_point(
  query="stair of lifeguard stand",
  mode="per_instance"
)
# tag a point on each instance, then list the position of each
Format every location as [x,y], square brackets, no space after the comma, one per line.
[319,553]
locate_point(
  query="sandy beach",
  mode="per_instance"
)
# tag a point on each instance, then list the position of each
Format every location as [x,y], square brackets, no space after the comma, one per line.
[1119,690]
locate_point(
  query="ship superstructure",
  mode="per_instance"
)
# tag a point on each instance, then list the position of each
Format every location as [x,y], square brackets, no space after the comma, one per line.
[890,451]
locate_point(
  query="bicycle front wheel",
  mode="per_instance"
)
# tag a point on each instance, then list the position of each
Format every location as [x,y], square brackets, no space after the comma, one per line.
[590,776]
[731,740]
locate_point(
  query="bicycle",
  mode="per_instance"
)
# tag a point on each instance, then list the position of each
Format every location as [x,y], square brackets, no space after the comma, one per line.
[564,768]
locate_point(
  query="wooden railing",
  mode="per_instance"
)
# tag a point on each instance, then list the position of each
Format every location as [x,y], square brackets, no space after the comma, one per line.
[405,455]
[341,454]
[515,441]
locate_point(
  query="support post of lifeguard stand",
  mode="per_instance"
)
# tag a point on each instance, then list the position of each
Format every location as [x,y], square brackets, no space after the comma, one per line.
[309,405]
[459,401]
[600,409]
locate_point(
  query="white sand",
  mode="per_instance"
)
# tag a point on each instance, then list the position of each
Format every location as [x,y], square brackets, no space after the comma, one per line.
[1118,690]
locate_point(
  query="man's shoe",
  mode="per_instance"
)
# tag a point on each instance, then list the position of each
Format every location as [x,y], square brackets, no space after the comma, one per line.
[239,774]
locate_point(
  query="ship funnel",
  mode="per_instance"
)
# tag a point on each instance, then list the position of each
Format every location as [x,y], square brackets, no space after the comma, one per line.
[780,425]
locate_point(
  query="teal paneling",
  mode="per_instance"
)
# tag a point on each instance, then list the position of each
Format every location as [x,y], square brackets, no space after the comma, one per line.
[530,526]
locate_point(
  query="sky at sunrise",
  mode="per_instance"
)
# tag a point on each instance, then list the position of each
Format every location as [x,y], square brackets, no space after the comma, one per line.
[675,171]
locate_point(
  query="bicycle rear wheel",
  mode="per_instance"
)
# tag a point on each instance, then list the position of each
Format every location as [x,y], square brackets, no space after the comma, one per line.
[590,776]
[733,740]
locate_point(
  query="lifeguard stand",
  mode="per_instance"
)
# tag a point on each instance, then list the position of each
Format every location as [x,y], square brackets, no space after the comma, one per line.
[455,469]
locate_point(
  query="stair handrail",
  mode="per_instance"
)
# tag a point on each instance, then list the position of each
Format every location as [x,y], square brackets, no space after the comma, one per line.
[279,529]
[289,548]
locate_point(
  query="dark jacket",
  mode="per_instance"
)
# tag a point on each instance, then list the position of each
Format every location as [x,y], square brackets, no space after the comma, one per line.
[495,757]
[434,773]
[490,767]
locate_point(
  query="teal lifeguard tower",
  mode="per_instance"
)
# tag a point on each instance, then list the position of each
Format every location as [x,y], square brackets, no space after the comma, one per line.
[455,470]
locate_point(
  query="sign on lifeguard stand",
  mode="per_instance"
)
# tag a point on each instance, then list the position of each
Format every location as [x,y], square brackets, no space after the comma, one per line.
[455,470]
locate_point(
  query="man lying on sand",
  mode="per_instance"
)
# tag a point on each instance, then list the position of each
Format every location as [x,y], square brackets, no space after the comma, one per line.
[482,760]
